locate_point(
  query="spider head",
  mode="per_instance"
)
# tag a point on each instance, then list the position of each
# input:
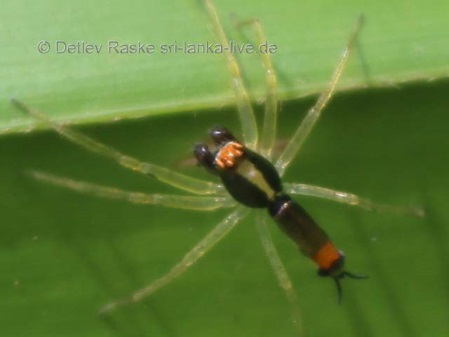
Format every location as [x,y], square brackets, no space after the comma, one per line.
[224,154]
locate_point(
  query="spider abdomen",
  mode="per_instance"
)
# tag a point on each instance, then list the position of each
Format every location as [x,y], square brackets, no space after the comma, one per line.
[310,238]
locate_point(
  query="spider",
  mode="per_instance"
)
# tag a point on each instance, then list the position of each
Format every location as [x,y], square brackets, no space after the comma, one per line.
[250,178]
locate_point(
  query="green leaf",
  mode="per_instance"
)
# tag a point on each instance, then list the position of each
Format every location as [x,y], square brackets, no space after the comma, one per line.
[401,41]
[64,255]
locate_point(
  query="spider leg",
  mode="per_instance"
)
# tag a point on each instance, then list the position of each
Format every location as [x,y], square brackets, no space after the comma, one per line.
[314,113]
[163,174]
[349,199]
[245,110]
[200,203]
[268,137]
[201,248]
[280,271]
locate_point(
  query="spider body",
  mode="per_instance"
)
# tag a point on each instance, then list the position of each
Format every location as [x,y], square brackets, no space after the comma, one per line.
[252,180]
[248,177]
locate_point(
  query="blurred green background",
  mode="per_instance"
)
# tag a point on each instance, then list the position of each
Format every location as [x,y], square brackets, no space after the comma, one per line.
[63,255]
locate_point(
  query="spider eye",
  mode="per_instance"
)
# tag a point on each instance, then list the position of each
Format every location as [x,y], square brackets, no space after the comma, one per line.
[221,135]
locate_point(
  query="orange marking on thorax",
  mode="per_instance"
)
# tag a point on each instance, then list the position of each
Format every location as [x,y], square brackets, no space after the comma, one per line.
[228,155]
[326,256]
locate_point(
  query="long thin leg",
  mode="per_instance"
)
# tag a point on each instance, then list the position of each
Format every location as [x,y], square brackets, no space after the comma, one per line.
[280,271]
[201,248]
[165,175]
[245,110]
[349,199]
[200,203]
[268,137]
[314,113]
